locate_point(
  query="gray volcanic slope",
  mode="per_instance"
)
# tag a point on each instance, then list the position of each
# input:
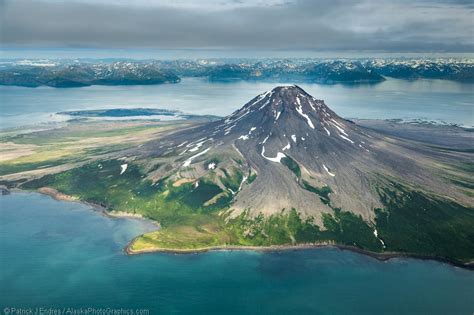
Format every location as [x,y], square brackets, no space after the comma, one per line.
[291,141]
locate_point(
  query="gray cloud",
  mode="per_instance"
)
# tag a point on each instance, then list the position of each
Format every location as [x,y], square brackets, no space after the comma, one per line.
[365,25]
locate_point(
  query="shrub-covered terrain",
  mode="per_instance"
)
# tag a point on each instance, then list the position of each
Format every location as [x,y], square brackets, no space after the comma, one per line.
[417,223]
[411,222]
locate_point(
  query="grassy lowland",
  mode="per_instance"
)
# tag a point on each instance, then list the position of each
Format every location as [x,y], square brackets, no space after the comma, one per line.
[76,142]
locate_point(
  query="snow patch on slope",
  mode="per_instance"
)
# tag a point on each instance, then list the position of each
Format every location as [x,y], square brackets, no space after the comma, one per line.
[276,159]
[376,234]
[278,115]
[189,160]
[123,168]
[327,170]
[347,139]
[299,109]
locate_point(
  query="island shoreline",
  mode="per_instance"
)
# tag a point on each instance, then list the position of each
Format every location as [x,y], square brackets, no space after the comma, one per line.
[59,196]
[283,248]
[53,193]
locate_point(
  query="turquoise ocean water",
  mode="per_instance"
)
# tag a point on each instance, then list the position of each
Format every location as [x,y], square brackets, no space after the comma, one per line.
[66,255]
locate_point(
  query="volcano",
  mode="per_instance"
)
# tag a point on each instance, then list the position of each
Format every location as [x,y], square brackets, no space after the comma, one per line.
[284,170]
[301,155]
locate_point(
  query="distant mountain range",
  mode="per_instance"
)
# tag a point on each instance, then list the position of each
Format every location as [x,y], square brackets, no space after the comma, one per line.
[77,73]
[84,74]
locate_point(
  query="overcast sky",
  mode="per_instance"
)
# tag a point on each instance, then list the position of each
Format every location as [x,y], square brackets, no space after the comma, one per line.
[326,25]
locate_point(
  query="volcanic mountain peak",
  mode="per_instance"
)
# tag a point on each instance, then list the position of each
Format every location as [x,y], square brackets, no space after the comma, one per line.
[288,115]
[285,99]
[300,154]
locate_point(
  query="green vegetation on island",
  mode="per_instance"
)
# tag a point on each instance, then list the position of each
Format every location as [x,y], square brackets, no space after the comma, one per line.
[193,215]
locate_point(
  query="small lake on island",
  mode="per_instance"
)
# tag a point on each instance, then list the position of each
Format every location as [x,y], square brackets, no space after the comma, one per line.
[60,254]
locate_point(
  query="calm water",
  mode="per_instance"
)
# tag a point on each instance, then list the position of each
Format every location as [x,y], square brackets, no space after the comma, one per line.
[57,254]
[422,99]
